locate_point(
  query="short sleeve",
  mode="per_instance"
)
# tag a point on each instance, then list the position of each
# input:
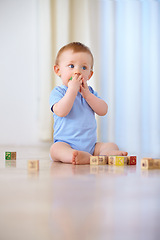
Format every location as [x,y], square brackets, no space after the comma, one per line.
[56,95]
[93,92]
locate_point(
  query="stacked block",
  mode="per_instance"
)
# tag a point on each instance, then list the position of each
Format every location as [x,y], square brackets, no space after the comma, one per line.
[98,160]
[10,155]
[150,163]
[33,165]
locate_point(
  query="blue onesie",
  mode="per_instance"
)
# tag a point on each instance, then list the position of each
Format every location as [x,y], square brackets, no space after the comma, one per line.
[78,128]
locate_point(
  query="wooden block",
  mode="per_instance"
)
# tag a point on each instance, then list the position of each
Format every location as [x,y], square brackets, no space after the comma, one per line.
[10,155]
[110,160]
[94,160]
[98,160]
[102,160]
[156,163]
[131,160]
[119,160]
[150,163]
[33,165]
[147,163]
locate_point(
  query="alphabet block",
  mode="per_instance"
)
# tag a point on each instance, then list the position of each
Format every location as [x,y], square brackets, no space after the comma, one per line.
[119,161]
[110,160]
[33,165]
[10,155]
[102,160]
[131,160]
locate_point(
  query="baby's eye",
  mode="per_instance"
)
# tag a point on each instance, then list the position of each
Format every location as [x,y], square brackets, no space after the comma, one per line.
[71,66]
[84,68]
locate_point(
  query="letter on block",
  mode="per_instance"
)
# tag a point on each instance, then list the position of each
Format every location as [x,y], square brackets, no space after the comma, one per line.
[33,165]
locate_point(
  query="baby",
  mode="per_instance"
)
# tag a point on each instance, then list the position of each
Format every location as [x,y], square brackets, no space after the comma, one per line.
[74,105]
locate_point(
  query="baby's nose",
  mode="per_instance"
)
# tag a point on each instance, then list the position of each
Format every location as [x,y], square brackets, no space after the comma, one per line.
[77,70]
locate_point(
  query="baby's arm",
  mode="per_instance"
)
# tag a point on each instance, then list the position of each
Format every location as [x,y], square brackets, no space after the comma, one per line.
[98,105]
[63,107]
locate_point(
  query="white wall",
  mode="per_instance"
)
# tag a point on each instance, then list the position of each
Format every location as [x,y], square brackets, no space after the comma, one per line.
[19,72]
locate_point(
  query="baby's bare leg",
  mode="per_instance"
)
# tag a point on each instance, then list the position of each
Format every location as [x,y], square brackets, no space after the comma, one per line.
[61,152]
[108,149]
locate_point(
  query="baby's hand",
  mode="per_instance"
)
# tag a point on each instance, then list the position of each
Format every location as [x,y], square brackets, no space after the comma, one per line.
[76,82]
[84,89]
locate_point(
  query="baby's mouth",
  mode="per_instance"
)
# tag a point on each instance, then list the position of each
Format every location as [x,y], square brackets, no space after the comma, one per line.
[74,74]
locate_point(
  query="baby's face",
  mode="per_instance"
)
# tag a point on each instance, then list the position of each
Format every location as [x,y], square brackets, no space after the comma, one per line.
[71,63]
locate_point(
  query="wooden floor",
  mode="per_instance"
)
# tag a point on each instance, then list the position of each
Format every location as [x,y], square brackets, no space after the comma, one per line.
[68,202]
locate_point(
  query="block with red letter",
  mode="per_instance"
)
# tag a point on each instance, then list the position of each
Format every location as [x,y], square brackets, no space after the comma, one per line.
[131,160]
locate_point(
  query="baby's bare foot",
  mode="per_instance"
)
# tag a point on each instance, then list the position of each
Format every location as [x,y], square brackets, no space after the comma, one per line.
[116,153]
[80,157]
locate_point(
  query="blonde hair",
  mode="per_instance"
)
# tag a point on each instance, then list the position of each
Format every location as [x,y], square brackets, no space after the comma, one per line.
[76,47]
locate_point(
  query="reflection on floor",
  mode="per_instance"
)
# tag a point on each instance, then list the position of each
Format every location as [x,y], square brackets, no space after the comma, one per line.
[62,201]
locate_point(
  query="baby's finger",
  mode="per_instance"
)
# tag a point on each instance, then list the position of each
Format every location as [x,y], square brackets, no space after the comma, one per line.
[81,81]
[79,76]
[85,84]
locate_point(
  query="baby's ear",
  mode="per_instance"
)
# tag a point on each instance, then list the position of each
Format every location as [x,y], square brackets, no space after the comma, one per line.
[57,70]
[90,75]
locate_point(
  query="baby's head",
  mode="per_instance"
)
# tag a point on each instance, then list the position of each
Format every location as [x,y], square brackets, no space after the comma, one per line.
[75,47]
[74,58]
